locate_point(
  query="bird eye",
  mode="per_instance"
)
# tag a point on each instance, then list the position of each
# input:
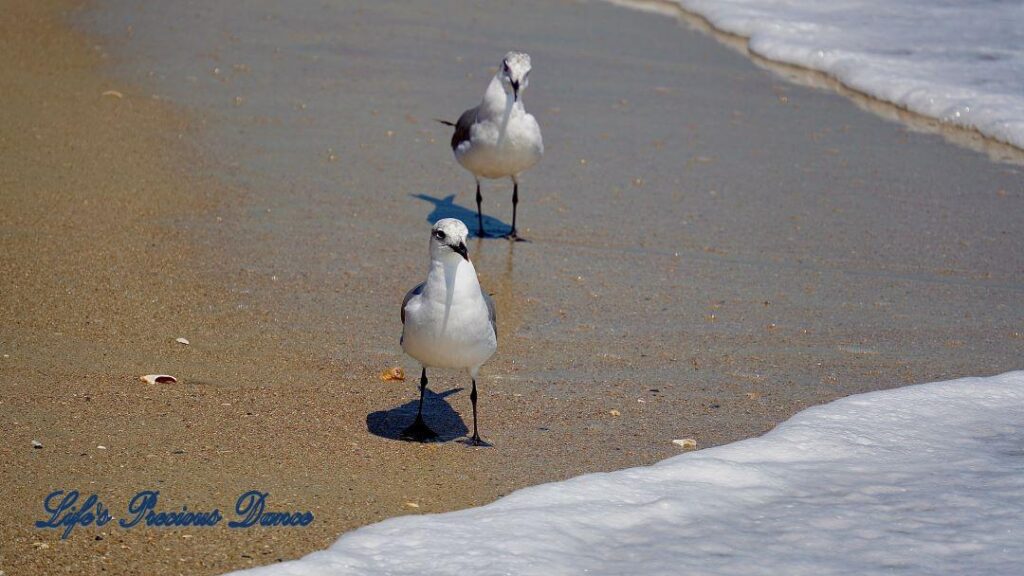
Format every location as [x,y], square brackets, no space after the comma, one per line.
[440,235]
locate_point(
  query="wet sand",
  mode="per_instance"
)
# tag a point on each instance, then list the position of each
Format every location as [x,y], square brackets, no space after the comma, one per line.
[712,249]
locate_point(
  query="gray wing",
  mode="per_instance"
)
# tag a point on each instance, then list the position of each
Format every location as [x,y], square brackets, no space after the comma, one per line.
[462,127]
[491,314]
[408,296]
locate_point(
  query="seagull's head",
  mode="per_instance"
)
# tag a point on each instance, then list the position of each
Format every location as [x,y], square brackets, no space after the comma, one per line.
[448,239]
[514,72]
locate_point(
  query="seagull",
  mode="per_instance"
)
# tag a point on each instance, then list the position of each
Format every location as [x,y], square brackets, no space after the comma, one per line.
[498,138]
[448,321]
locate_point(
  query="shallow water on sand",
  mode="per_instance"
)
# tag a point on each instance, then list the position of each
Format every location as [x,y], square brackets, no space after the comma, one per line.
[676,236]
[711,249]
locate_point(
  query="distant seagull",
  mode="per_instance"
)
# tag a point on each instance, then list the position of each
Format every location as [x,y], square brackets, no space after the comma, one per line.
[448,321]
[498,139]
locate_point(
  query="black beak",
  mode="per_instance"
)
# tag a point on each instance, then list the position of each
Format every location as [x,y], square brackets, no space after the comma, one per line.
[515,90]
[461,250]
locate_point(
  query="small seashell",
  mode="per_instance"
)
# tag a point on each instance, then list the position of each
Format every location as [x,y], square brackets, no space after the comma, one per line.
[101,447]
[396,373]
[412,505]
[37,444]
[158,379]
[182,341]
[615,413]
[686,443]
[113,93]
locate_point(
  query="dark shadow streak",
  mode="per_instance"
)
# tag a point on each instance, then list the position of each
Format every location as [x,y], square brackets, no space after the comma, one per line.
[447,208]
[437,412]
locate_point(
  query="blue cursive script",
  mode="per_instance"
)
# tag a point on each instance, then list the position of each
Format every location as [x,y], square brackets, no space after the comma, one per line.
[143,506]
[63,512]
[251,509]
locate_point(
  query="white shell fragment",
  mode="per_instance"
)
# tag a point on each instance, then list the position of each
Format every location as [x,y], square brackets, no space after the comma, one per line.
[37,444]
[686,443]
[182,341]
[158,379]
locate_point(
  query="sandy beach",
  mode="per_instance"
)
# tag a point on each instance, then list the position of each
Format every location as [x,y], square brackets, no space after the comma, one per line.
[711,249]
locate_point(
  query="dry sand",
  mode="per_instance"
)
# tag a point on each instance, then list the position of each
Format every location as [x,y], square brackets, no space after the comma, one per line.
[769,248]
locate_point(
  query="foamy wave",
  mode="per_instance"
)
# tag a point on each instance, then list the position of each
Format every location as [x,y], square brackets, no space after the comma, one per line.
[918,480]
[960,62]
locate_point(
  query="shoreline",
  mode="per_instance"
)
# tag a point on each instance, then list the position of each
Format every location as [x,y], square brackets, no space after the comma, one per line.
[965,136]
[857,464]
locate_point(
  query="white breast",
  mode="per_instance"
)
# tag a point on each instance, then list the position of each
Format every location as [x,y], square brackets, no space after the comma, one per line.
[438,346]
[489,153]
[448,324]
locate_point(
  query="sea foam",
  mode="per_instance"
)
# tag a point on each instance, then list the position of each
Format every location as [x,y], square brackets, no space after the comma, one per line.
[925,479]
[960,62]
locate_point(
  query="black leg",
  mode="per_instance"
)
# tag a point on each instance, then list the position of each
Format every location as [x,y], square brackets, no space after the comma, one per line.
[515,204]
[418,430]
[423,390]
[479,211]
[472,398]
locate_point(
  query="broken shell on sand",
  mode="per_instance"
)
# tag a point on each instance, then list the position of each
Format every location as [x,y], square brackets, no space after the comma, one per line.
[158,379]
[390,374]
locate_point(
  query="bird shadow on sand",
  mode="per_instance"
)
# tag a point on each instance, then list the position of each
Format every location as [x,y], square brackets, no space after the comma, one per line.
[447,208]
[437,413]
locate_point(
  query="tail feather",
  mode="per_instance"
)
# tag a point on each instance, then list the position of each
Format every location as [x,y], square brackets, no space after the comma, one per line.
[445,122]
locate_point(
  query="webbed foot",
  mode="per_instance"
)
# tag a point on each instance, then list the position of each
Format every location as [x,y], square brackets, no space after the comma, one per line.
[418,431]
